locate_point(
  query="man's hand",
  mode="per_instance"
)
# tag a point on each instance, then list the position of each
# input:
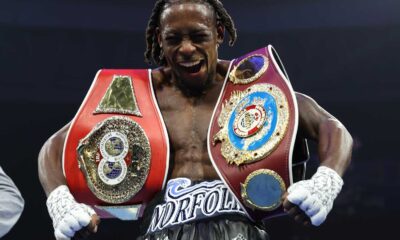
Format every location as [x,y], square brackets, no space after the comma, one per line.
[89,229]
[311,200]
[295,212]
[70,219]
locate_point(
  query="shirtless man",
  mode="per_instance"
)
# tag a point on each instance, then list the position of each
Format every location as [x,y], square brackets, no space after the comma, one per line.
[183,38]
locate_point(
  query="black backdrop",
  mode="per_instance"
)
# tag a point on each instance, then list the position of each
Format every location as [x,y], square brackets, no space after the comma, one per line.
[344,53]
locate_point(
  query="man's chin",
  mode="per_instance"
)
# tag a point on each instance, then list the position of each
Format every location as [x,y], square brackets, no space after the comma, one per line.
[194,83]
[194,86]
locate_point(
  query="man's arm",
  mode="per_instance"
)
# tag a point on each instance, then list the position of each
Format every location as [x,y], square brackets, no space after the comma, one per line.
[69,217]
[335,143]
[11,203]
[311,200]
[50,161]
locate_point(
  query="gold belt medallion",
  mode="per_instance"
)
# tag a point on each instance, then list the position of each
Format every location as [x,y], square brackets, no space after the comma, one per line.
[263,190]
[115,159]
[253,122]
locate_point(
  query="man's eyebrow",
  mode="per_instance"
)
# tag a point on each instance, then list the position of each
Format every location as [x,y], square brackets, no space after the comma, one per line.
[201,31]
[172,32]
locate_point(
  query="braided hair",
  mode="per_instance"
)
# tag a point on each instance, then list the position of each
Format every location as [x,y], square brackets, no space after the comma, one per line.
[153,50]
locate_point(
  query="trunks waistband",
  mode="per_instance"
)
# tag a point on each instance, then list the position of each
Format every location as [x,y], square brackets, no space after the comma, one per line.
[184,202]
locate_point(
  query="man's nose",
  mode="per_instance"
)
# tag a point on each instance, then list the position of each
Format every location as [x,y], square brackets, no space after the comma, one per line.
[187,48]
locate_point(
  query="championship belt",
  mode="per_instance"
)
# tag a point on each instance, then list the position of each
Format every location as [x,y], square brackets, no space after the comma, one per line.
[252,133]
[116,151]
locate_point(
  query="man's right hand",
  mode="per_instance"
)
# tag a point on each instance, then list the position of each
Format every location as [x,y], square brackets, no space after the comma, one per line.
[90,229]
[70,219]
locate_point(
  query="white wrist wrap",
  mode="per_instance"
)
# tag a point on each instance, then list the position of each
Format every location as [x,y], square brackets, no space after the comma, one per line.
[68,216]
[316,195]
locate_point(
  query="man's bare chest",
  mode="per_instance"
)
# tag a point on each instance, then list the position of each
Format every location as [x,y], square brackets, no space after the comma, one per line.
[187,122]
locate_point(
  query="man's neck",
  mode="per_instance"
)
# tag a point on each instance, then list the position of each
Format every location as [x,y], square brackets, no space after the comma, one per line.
[193,91]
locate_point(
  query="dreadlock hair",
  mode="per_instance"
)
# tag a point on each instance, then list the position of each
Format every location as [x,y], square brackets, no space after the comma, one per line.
[153,51]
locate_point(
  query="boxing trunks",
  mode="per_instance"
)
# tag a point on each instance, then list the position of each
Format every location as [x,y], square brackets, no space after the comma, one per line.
[203,210]
[116,153]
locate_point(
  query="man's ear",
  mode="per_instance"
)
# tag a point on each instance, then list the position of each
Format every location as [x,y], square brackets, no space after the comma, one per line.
[158,34]
[220,33]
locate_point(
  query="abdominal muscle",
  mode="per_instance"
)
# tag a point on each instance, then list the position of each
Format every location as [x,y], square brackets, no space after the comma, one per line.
[188,137]
[194,168]
[187,121]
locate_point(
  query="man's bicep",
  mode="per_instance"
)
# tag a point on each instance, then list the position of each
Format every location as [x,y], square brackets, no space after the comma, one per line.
[50,161]
[334,141]
[311,116]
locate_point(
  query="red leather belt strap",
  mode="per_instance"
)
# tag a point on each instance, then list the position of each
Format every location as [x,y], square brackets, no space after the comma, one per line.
[151,122]
[279,159]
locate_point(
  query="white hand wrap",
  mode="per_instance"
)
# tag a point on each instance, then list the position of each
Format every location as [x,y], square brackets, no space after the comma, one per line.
[316,195]
[68,216]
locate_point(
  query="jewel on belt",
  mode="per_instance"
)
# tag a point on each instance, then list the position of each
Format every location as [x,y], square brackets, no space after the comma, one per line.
[249,69]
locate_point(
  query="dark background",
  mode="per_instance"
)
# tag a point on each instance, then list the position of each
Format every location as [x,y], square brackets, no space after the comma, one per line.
[343,53]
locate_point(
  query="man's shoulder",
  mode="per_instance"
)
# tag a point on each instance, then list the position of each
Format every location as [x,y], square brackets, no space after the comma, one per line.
[57,139]
[160,76]
[223,67]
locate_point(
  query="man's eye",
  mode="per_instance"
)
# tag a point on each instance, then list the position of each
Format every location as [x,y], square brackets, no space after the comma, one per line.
[172,40]
[200,37]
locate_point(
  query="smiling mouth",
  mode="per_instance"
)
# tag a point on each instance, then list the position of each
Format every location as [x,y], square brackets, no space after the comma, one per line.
[191,66]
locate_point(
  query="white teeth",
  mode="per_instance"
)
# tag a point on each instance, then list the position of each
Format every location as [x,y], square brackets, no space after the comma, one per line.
[189,64]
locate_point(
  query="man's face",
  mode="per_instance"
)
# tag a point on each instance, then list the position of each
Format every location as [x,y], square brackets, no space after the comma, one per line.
[189,36]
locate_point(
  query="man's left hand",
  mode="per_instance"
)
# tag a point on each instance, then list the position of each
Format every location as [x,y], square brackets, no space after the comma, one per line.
[295,211]
[311,200]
